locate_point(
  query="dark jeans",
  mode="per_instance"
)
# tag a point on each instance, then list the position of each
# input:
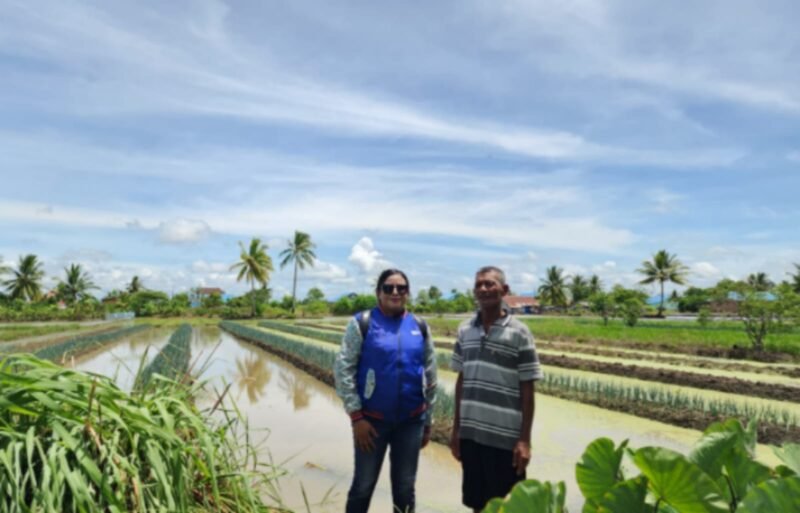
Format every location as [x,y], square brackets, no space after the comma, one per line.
[405,439]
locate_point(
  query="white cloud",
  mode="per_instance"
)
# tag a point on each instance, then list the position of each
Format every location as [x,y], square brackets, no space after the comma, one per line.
[181,231]
[705,270]
[366,257]
[201,266]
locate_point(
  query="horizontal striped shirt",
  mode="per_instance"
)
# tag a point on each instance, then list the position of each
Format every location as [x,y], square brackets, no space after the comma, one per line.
[492,365]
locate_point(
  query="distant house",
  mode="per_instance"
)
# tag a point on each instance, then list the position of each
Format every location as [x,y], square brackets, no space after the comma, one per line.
[197,295]
[523,304]
[730,305]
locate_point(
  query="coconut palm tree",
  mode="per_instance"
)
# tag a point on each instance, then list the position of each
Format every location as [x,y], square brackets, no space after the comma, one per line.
[135,285]
[26,280]
[760,282]
[663,268]
[301,252]
[254,266]
[595,285]
[578,288]
[551,291]
[77,283]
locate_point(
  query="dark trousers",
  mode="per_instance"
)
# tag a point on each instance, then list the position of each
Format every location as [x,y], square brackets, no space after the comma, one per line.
[405,439]
[488,473]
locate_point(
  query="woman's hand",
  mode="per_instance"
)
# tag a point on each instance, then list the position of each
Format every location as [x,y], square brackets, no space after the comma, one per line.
[363,435]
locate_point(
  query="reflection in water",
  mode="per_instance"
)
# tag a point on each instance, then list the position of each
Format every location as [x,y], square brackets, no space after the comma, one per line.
[252,375]
[206,336]
[296,389]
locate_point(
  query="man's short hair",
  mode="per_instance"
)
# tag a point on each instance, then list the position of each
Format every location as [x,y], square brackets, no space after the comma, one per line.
[492,269]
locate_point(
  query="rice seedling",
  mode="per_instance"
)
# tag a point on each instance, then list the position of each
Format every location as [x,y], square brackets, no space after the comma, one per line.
[62,351]
[72,441]
[327,336]
[173,359]
[319,356]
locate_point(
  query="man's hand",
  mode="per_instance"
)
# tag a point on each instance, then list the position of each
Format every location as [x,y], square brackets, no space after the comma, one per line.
[426,436]
[364,434]
[455,445]
[522,455]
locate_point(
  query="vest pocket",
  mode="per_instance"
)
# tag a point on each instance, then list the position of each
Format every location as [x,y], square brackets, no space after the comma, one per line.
[369,386]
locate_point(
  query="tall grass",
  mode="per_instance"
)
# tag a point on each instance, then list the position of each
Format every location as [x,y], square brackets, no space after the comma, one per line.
[74,442]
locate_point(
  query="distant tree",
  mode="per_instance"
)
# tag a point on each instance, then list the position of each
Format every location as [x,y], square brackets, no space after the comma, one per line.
[578,288]
[147,302]
[314,294]
[552,289]
[595,285]
[300,250]
[364,302]
[796,279]
[724,287]
[213,300]
[434,293]
[254,266]
[663,268]
[76,284]
[603,305]
[287,302]
[693,299]
[423,297]
[135,285]
[760,282]
[26,280]
[342,306]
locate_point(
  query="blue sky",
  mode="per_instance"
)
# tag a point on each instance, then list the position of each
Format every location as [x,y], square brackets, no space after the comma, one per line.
[149,138]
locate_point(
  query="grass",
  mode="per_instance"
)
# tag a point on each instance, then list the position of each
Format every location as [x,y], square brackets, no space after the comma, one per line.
[71,441]
[172,361]
[16,331]
[665,334]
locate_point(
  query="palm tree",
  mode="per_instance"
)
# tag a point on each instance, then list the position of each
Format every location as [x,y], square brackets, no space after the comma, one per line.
[595,285]
[760,282]
[135,285]
[26,279]
[579,288]
[254,265]
[663,268]
[77,283]
[301,252]
[4,268]
[551,291]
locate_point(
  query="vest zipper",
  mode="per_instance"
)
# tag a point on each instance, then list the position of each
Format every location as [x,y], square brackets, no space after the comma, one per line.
[399,372]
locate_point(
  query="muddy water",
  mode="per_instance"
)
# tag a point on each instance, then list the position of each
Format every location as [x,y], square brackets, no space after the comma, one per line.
[308,433]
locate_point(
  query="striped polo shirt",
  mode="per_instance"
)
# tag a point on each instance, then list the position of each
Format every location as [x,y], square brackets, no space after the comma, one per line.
[493,364]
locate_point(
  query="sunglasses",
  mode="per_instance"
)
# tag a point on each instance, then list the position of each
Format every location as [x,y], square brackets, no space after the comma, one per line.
[388,288]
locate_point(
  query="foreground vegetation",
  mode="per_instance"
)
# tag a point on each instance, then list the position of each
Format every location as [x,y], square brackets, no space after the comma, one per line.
[720,475]
[70,442]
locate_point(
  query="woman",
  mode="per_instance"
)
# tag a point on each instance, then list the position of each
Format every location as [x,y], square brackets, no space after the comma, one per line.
[386,376]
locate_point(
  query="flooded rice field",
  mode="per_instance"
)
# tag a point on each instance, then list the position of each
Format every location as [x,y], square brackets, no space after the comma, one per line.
[307,432]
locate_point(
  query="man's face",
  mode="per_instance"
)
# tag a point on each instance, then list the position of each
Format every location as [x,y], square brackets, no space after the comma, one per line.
[488,290]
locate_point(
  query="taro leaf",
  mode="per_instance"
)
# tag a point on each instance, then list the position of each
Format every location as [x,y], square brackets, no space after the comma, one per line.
[712,450]
[531,495]
[773,496]
[678,482]
[598,470]
[745,473]
[790,455]
[784,471]
[747,437]
[628,496]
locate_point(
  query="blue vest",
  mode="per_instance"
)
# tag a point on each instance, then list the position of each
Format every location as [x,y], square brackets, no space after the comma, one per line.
[391,368]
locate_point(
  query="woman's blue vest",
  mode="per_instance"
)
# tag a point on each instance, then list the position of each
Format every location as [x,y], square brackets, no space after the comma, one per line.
[391,368]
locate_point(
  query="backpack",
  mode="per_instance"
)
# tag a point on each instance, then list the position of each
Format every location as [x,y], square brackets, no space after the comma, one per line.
[363,324]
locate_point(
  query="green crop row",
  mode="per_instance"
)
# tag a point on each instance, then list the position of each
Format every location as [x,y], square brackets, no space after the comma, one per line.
[172,361]
[333,338]
[63,350]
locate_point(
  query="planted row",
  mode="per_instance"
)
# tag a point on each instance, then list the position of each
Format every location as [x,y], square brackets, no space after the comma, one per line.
[720,475]
[172,361]
[333,338]
[62,351]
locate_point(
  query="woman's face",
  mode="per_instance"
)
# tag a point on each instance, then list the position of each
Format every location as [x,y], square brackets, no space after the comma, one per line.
[392,295]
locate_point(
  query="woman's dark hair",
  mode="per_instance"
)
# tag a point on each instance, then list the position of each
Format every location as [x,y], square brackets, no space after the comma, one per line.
[385,276]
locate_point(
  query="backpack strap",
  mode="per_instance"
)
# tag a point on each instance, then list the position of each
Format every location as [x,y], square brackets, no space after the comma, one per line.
[423,326]
[363,323]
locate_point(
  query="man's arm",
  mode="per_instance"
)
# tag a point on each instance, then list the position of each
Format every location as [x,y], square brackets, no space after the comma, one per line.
[522,449]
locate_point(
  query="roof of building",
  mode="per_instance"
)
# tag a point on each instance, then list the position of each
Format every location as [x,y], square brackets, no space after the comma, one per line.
[210,290]
[520,301]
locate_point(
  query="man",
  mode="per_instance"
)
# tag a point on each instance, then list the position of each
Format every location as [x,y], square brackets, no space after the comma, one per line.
[497,364]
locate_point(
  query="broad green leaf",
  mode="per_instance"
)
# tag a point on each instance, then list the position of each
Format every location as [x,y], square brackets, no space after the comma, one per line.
[678,482]
[712,450]
[628,496]
[531,495]
[747,437]
[598,470]
[745,473]
[773,496]
[790,455]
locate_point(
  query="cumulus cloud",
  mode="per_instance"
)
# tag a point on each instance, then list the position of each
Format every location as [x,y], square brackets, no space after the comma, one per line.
[366,257]
[182,231]
[704,270]
[201,266]
[325,271]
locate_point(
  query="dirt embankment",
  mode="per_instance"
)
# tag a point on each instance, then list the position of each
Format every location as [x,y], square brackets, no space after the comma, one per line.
[689,379]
